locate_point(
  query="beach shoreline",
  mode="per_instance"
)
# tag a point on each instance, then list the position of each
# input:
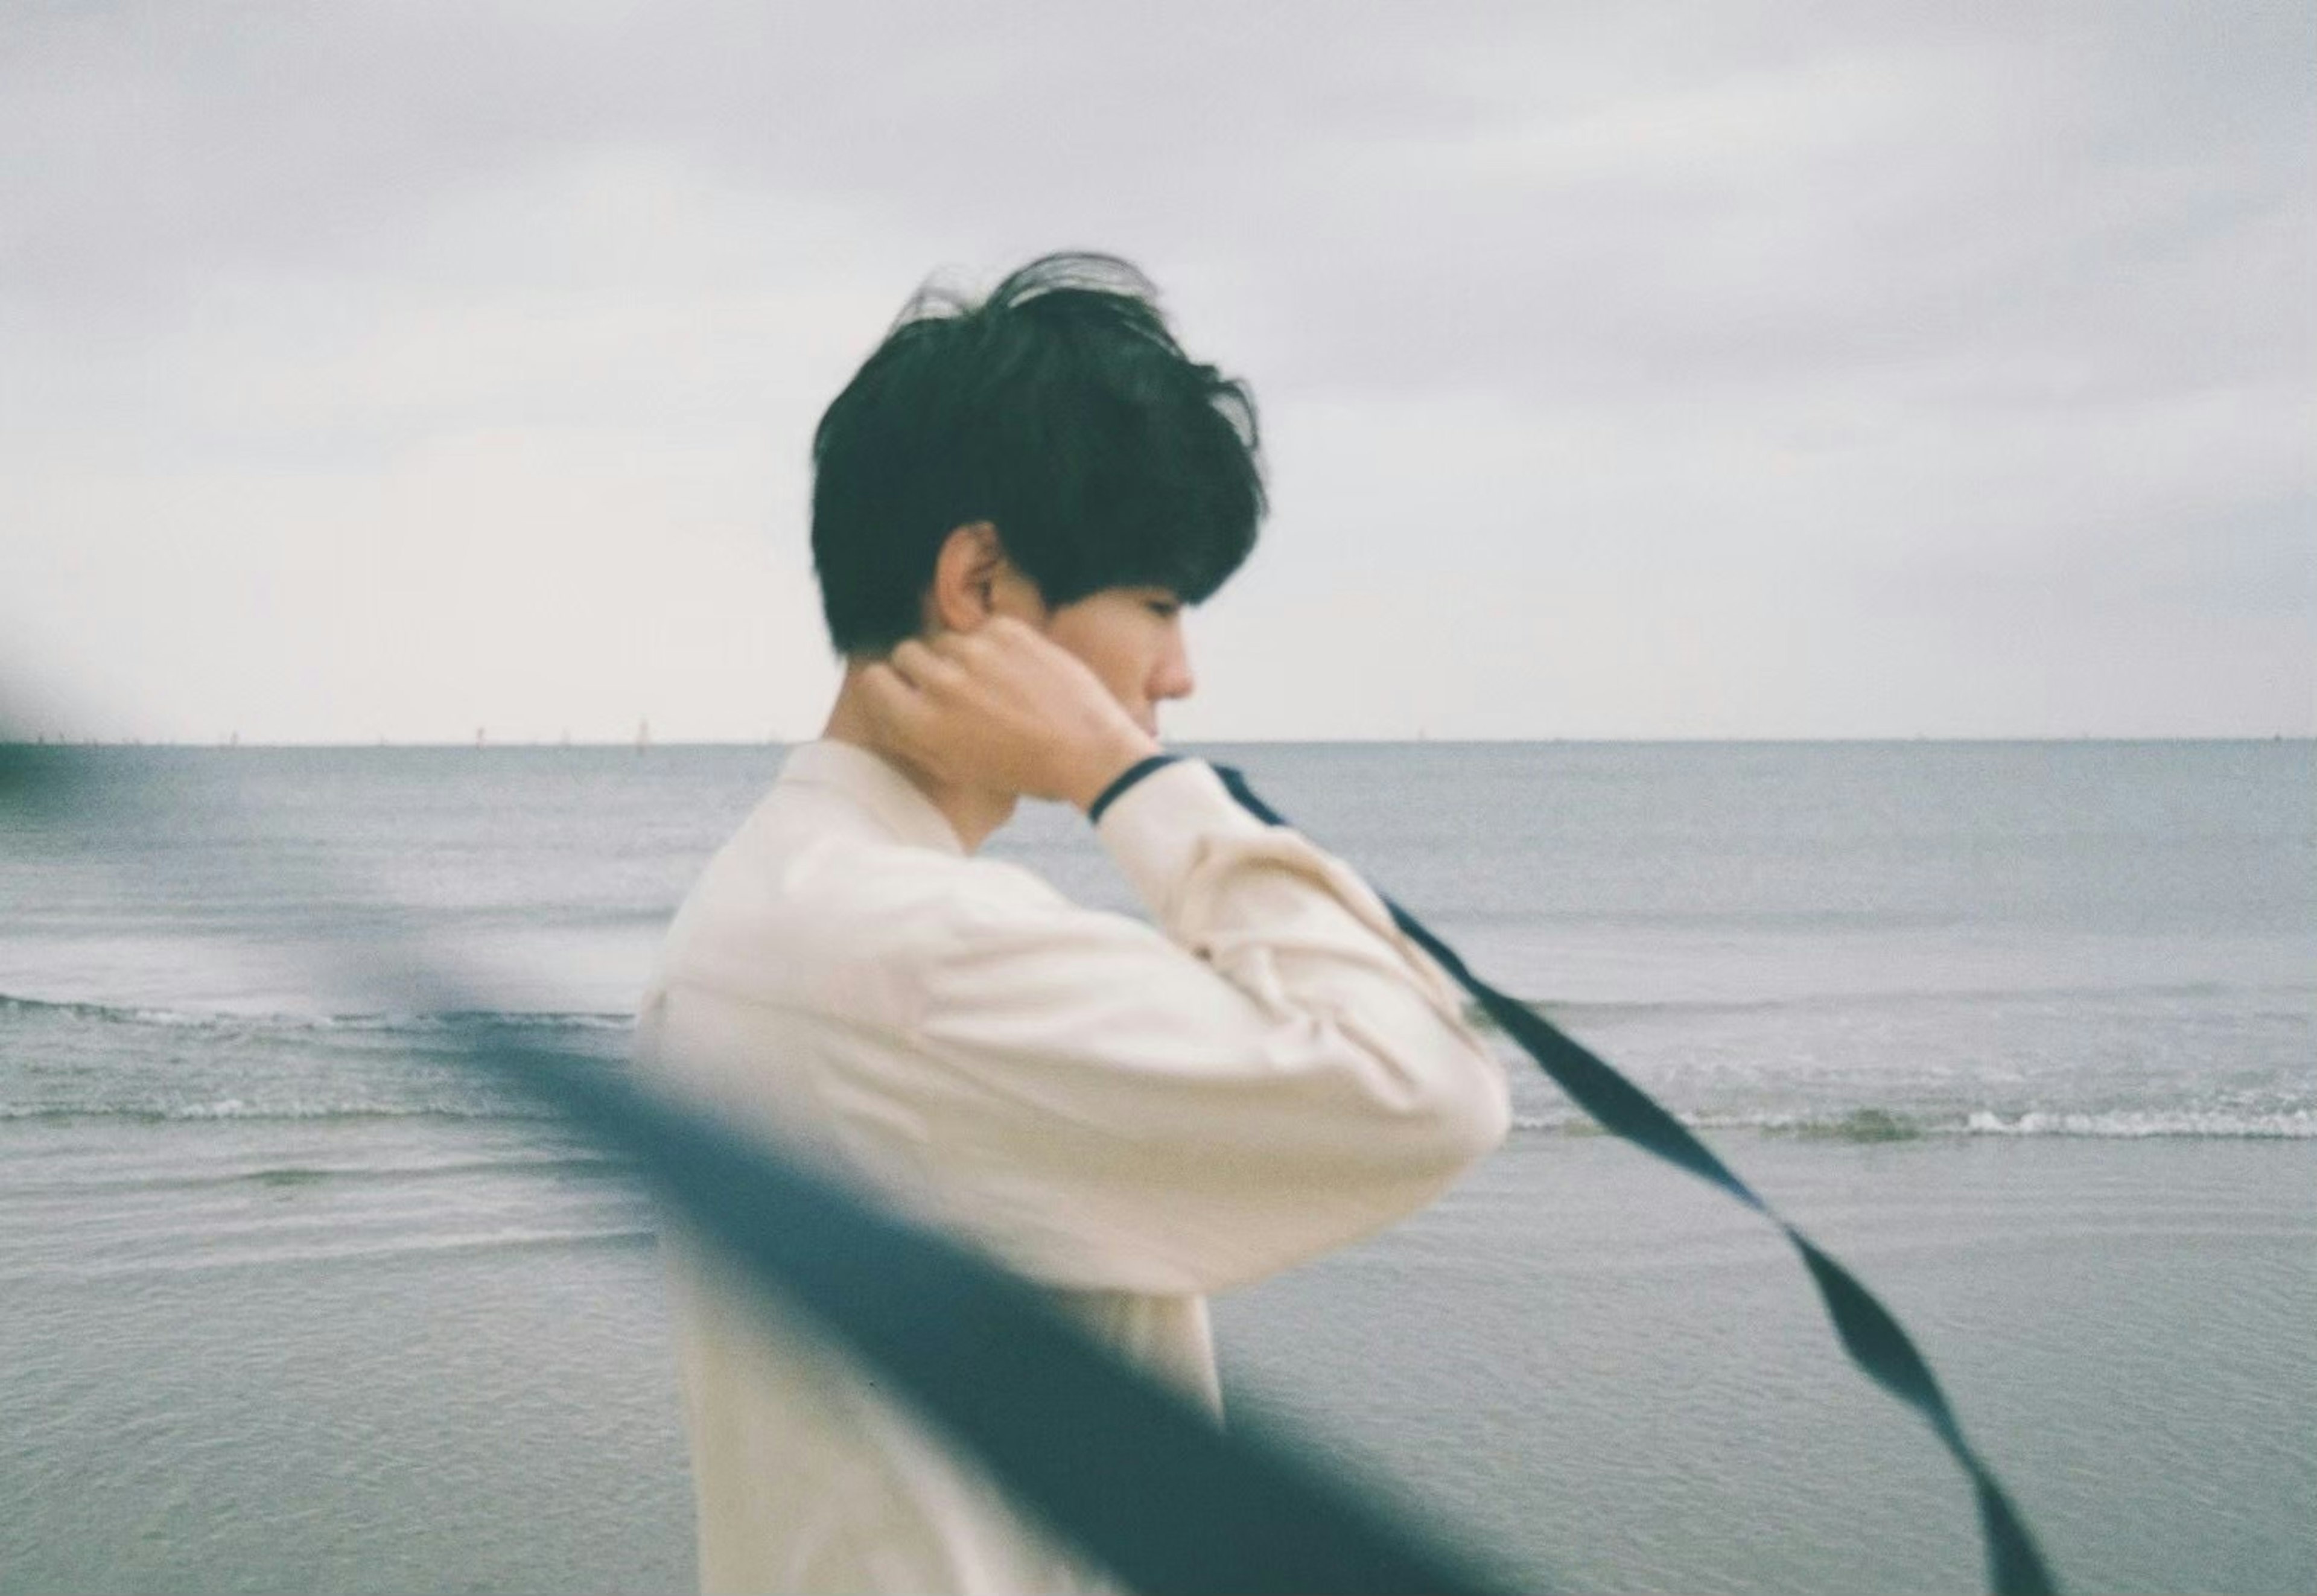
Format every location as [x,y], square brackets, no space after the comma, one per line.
[1590,1362]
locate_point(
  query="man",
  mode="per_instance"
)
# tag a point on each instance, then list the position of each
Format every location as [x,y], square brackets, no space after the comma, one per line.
[1014,501]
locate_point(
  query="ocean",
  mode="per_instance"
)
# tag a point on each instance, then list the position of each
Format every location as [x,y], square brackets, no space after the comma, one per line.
[2026,1032]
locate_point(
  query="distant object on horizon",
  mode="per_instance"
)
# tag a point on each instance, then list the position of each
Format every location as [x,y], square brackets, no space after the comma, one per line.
[643,735]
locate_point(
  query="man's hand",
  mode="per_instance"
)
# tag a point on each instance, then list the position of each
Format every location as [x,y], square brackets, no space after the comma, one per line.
[1002,708]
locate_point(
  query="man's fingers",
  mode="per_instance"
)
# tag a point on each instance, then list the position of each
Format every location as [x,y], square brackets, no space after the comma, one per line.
[949,657]
[892,698]
[881,684]
[1009,631]
[898,662]
[920,666]
[969,645]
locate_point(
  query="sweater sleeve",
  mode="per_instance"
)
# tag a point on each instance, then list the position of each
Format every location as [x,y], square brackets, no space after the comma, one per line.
[1270,1073]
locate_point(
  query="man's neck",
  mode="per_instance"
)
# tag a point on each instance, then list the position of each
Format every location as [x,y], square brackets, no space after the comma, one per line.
[972,813]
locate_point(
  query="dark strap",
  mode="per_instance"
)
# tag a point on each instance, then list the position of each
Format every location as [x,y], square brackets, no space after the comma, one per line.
[1870,1333]
[1126,779]
[1120,1466]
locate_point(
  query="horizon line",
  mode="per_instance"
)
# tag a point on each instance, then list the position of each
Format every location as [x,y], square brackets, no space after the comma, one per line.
[237,745]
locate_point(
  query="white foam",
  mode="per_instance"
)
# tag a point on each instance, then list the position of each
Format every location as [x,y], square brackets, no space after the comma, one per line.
[2119,1125]
[2298,1124]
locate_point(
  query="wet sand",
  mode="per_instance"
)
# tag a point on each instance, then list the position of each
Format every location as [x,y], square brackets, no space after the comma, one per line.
[1606,1372]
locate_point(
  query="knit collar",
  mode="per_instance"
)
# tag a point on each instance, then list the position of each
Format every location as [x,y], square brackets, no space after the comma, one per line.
[878,785]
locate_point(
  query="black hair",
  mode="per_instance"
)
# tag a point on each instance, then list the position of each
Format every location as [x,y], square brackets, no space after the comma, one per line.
[1061,410]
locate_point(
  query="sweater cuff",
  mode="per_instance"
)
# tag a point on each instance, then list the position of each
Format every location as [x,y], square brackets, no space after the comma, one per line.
[1127,778]
[1154,826]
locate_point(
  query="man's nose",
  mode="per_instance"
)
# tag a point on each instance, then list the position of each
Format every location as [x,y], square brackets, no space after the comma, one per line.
[1173,679]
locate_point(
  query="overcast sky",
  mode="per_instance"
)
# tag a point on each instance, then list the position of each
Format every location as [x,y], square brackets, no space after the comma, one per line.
[1650,371]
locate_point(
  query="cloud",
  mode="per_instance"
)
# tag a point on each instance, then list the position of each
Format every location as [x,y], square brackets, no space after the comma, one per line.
[1686,327]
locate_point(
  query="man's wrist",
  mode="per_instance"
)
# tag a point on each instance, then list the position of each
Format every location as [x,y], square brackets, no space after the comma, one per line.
[1103,769]
[1125,782]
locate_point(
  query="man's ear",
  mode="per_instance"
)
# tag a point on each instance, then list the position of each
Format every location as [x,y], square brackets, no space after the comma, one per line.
[965,573]
[973,580]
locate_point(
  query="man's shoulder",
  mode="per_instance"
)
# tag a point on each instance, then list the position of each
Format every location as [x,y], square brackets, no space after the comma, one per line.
[803,892]
[838,871]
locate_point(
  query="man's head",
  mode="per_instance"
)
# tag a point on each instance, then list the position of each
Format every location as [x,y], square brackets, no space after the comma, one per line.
[1053,433]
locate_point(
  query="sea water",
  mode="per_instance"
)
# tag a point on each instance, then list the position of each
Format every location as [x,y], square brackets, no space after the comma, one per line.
[289,1297]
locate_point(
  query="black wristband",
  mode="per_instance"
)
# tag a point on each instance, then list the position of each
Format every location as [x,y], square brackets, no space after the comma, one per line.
[1127,778]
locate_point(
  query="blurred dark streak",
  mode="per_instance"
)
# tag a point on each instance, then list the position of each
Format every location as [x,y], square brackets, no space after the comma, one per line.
[1133,1476]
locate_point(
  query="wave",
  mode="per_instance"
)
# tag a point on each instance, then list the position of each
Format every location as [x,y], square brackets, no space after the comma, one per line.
[512,1239]
[235,1109]
[1580,1011]
[1858,1124]
[2301,1124]
[367,1091]
[1879,1125]
[420,1023]
[575,1167]
[561,1169]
